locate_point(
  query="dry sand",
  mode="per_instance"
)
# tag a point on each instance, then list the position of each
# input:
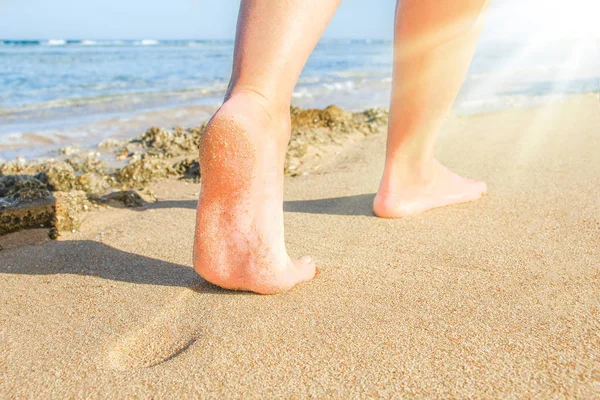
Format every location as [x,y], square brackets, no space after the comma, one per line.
[498,298]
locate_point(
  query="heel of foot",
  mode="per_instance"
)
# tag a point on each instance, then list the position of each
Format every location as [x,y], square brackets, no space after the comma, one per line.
[239,236]
[266,280]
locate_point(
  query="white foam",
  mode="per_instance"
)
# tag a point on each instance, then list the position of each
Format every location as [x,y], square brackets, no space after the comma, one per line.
[11,138]
[345,85]
[56,42]
[299,93]
[305,80]
[88,42]
[149,42]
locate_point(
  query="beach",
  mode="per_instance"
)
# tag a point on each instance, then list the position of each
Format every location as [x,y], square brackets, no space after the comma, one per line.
[496,298]
[58,93]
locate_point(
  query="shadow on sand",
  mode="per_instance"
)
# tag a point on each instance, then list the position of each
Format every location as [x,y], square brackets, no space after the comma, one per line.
[89,258]
[348,205]
[166,334]
[83,257]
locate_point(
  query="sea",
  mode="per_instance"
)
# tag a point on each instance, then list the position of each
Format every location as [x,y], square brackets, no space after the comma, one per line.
[56,93]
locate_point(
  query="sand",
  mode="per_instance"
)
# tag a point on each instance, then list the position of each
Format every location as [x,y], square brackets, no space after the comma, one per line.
[498,298]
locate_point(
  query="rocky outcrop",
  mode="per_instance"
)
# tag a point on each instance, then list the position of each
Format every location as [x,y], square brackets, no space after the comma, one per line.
[55,193]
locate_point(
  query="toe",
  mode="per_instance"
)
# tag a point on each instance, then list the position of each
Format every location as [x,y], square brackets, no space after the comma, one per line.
[480,188]
[305,269]
[484,188]
[305,260]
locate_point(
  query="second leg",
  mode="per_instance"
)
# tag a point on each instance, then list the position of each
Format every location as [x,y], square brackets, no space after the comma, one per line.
[433,46]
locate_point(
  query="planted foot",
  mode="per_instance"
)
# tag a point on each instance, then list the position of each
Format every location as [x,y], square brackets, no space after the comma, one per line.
[404,192]
[239,242]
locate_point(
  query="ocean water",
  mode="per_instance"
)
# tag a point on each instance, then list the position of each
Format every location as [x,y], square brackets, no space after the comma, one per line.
[59,92]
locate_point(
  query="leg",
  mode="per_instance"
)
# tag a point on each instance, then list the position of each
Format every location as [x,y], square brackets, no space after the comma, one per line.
[433,46]
[239,241]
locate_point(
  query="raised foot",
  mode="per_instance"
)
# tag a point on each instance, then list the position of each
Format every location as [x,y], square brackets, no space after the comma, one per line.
[443,188]
[239,242]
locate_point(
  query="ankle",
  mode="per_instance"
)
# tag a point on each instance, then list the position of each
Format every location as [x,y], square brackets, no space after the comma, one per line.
[407,170]
[273,116]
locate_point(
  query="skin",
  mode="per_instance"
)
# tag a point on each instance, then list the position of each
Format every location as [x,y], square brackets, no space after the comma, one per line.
[433,46]
[239,242]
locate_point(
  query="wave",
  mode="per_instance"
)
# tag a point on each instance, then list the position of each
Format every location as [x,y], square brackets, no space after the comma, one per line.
[113,42]
[192,43]
[21,42]
[343,85]
[114,99]
[152,42]
[55,42]
[81,42]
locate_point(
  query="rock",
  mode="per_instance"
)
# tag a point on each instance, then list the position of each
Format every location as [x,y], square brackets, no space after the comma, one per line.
[337,119]
[148,196]
[312,129]
[127,198]
[27,215]
[109,144]
[68,209]
[170,144]
[378,116]
[150,156]
[69,150]
[188,169]
[25,202]
[59,176]
[16,167]
[330,117]
[93,182]
[87,163]
[21,188]
[30,206]
[143,170]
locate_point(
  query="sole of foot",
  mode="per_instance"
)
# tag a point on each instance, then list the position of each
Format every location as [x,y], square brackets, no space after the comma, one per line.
[394,200]
[239,240]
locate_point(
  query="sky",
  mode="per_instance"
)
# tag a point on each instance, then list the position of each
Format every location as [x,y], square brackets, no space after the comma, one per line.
[172,19]
[215,19]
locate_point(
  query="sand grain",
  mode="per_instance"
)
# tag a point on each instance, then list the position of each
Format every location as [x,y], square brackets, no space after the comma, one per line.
[497,298]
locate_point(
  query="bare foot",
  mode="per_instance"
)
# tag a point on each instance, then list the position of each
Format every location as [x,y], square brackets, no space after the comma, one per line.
[239,241]
[401,195]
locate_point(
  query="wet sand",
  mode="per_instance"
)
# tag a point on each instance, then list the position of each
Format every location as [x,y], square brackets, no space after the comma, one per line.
[497,298]
[88,131]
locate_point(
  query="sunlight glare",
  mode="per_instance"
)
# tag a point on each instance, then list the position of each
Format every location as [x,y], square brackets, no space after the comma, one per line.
[575,19]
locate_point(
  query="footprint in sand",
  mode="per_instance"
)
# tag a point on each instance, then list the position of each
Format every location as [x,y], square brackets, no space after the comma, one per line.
[167,335]
[206,312]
